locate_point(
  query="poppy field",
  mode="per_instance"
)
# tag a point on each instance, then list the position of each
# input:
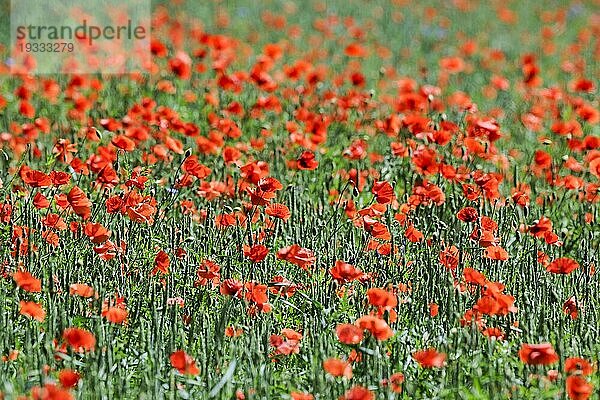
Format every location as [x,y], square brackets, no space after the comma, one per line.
[351,200]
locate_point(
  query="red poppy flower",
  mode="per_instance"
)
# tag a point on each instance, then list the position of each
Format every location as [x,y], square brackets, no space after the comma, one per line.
[278,211]
[578,365]
[81,289]
[27,282]
[396,381]
[355,50]
[413,234]
[430,358]
[376,229]
[231,287]
[259,197]
[35,178]
[256,253]
[79,339]
[81,205]
[358,393]
[538,354]
[269,184]
[473,277]
[59,178]
[184,363]
[301,396]
[40,201]
[376,326]
[297,255]
[194,168]
[384,192]
[578,388]
[571,308]
[540,227]
[181,65]
[382,298]
[496,333]
[96,232]
[307,161]
[161,263]
[496,253]
[468,214]
[256,292]
[68,378]
[433,309]
[50,391]
[343,272]
[116,315]
[123,143]
[449,257]
[563,265]
[337,367]
[32,310]
[349,334]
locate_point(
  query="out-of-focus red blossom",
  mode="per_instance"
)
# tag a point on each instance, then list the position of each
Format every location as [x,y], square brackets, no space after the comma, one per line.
[301,396]
[337,367]
[578,365]
[538,354]
[376,326]
[578,388]
[349,333]
[81,289]
[495,333]
[307,161]
[395,382]
[184,363]
[116,315]
[358,393]
[433,309]
[552,375]
[32,310]
[382,298]
[287,346]
[68,378]
[27,282]
[79,339]
[430,358]
[123,142]
[50,391]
